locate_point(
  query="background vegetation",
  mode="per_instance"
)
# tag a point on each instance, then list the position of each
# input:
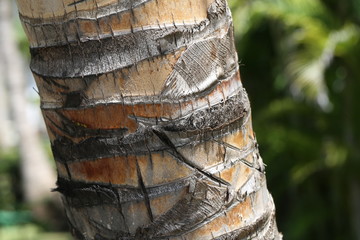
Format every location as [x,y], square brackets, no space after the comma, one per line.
[300,63]
[301,67]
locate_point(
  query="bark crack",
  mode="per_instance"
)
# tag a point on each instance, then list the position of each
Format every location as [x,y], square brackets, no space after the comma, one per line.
[144,191]
[166,140]
[76,2]
[120,207]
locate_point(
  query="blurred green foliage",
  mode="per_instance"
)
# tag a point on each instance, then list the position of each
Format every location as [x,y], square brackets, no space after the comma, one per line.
[300,65]
[10,193]
[10,218]
[16,220]
[30,232]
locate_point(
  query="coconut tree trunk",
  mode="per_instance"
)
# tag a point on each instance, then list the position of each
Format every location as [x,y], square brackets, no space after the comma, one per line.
[148,120]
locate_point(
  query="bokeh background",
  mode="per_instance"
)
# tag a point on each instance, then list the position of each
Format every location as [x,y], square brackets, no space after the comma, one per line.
[300,63]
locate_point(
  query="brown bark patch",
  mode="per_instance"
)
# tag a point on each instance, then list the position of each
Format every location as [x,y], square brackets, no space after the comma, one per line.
[119,170]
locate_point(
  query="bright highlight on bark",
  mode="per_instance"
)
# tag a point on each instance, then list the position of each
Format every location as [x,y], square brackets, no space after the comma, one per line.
[148,120]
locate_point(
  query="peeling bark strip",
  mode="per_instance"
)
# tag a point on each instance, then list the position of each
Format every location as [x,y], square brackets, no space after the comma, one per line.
[149,124]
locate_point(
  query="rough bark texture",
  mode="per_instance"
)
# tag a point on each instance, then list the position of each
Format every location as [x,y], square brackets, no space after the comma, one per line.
[148,120]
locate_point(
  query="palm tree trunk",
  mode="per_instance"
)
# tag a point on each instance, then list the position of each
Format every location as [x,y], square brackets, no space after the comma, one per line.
[148,120]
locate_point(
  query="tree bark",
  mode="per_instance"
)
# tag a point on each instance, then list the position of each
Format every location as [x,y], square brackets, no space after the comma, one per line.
[148,120]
